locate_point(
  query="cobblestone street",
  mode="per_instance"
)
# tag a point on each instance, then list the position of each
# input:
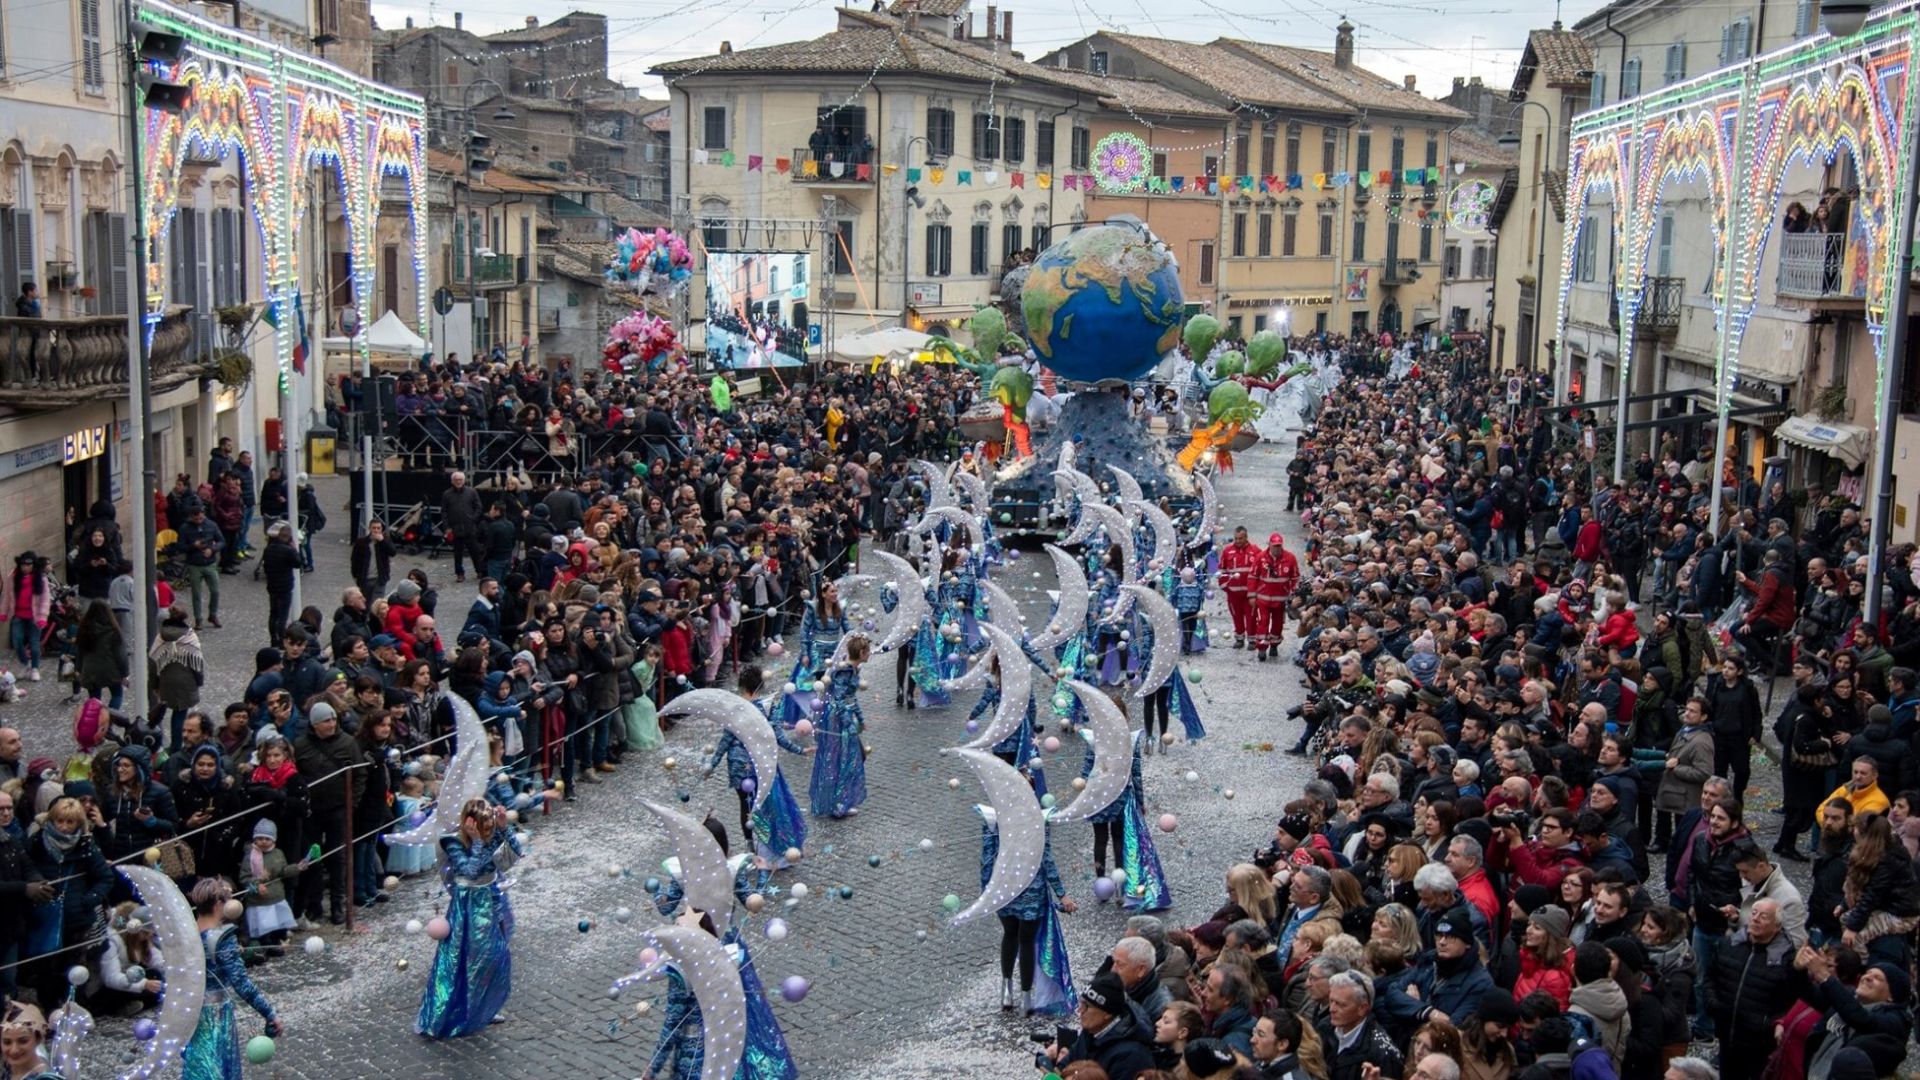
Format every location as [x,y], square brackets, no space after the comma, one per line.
[894,993]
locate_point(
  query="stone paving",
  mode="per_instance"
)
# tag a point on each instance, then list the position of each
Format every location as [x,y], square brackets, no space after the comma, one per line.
[895,993]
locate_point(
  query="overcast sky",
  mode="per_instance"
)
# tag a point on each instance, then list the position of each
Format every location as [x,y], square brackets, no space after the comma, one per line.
[1433,40]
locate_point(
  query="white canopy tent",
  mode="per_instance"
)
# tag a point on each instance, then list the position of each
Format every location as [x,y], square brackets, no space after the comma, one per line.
[890,343]
[389,334]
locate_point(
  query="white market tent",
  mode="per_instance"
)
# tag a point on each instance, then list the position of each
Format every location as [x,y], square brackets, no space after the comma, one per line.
[389,334]
[894,344]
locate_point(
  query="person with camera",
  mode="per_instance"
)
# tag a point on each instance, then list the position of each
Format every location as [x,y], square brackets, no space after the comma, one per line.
[1114,1034]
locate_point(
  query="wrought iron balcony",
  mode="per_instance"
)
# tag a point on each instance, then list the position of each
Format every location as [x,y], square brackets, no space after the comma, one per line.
[494,272]
[1661,300]
[1813,266]
[48,364]
[834,165]
[1400,272]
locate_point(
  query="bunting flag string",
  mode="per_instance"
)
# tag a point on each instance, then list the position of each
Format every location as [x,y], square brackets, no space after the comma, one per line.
[1417,184]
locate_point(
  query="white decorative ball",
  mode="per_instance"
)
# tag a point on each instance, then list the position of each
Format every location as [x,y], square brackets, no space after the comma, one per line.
[1227,793]
[1192,776]
[415,926]
[77,975]
[800,890]
[391,881]
[954,783]
[613,869]
[314,945]
[233,910]
[926,844]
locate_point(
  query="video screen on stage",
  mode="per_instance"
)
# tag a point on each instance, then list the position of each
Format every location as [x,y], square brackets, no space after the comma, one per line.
[757,308]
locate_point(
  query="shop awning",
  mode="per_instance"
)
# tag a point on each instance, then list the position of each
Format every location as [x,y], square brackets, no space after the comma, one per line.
[1848,443]
[1423,316]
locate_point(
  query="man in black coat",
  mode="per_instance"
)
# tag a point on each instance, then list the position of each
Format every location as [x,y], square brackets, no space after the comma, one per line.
[1830,869]
[1114,1032]
[497,540]
[21,886]
[324,756]
[1350,1036]
[1734,713]
[1751,982]
[460,515]
[1875,1005]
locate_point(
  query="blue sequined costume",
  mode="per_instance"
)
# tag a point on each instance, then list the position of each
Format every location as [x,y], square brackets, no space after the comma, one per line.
[1137,854]
[1053,991]
[819,637]
[839,759]
[214,1051]
[1109,653]
[778,823]
[1183,705]
[930,668]
[767,1056]
[472,969]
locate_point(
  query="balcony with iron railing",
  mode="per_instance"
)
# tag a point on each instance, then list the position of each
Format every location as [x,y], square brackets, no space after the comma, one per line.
[495,272]
[48,364]
[1813,266]
[1400,272]
[834,165]
[1661,300]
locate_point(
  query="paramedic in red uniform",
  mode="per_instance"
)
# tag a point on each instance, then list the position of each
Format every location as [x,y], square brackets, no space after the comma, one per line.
[1275,576]
[1237,561]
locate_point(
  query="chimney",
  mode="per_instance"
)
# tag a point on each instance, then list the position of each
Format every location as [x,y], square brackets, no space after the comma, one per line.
[993,20]
[1475,81]
[458,19]
[532,21]
[1459,83]
[1343,45]
[409,22]
[726,48]
[1006,27]
[1408,79]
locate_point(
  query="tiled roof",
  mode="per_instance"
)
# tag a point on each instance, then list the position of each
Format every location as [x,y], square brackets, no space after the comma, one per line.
[1562,57]
[583,262]
[1231,74]
[497,179]
[1361,88]
[535,35]
[1131,95]
[939,9]
[852,50]
[660,121]
[1478,148]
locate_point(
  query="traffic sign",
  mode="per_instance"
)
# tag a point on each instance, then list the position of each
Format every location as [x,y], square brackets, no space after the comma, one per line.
[442,300]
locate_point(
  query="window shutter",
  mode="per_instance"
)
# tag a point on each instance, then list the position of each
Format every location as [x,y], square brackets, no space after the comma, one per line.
[202,262]
[92,68]
[1804,16]
[21,253]
[116,298]
[933,250]
[1597,93]
[1742,37]
[1630,79]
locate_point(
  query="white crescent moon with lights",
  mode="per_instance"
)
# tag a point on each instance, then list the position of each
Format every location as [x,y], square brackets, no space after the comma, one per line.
[1112,755]
[1016,685]
[1166,539]
[1023,832]
[465,779]
[1166,637]
[178,937]
[1209,512]
[704,875]
[1081,486]
[1070,614]
[1128,487]
[747,723]
[1120,535]
[709,972]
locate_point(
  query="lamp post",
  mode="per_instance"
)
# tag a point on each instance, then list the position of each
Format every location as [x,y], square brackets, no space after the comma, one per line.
[1511,141]
[913,199]
[1844,18]
[473,141]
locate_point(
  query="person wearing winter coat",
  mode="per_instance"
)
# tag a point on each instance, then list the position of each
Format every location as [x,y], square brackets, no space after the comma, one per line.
[370,560]
[103,665]
[1114,1033]
[1448,986]
[325,756]
[1876,1005]
[460,513]
[21,887]
[65,855]
[1765,881]
[1600,1001]
[138,812]
[205,794]
[1688,764]
[177,670]
[1733,706]
[1752,982]
[280,564]
[1670,969]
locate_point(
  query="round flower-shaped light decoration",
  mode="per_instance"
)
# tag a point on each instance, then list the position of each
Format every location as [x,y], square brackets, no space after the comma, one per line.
[1121,162]
[1471,207]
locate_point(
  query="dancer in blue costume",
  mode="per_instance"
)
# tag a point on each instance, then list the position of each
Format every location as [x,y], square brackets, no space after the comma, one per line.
[682,1052]
[1016,749]
[1030,932]
[214,1051]
[767,1056]
[472,969]
[1108,651]
[778,825]
[960,603]
[840,759]
[1189,597]
[1124,821]
[822,624]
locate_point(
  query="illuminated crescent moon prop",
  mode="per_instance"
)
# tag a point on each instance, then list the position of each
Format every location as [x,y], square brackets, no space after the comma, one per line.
[178,937]
[1016,685]
[1070,615]
[954,516]
[709,971]
[1112,754]
[975,489]
[910,609]
[939,492]
[704,875]
[465,779]
[1166,539]
[1080,485]
[1166,637]
[1023,832]
[1120,535]
[975,676]
[747,723]
[1209,512]
[1127,486]
[1002,608]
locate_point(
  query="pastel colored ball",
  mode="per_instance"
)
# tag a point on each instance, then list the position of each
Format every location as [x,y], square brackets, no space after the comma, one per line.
[776,929]
[950,902]
[438,928]
[77,975]
[1103,889]
[144,1029]
[803,727]
[776,649]
[260,1050]
[415,926]
[1168,823]
[800,890]
[794,987]
[314,946]
[1052,744]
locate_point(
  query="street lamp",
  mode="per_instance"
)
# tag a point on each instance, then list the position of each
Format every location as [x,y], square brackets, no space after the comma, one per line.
[1511,142]
[1844,18]
[475,140]
[912,201]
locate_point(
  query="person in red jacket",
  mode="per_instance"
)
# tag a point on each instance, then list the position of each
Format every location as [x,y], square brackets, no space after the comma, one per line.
[1589,544]
[1275,577]
[1621,631]
[1237,561]
[676,653]
[1772,610]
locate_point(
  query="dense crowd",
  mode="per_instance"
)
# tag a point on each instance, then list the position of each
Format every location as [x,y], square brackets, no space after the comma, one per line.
[1532,708]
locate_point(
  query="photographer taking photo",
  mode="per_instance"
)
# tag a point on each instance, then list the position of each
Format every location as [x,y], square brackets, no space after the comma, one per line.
[1114,1033]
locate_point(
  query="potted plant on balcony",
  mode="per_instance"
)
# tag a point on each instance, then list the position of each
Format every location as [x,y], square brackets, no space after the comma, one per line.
[61,276]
